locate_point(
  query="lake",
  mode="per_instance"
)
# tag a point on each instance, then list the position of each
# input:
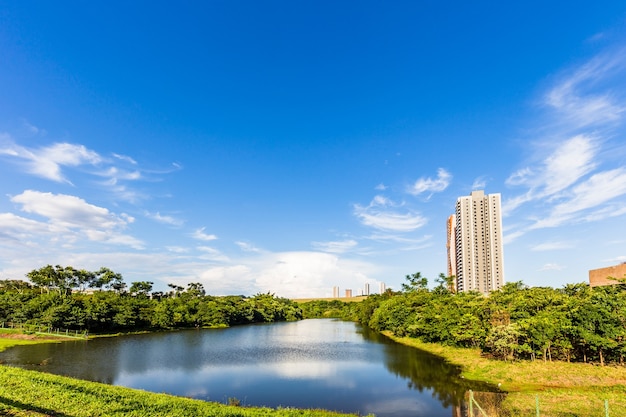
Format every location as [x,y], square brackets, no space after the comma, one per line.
[323,363]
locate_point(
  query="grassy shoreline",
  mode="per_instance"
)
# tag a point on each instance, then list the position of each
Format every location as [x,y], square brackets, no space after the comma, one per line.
[25,393]
[33,394]
[563,389]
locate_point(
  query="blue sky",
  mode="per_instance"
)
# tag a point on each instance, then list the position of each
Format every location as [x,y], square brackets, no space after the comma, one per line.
[293,146]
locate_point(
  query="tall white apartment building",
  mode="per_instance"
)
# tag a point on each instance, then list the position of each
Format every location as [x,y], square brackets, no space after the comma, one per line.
[475,243]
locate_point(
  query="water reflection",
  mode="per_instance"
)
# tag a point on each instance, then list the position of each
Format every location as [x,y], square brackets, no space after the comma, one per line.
[309,364]
[424,371]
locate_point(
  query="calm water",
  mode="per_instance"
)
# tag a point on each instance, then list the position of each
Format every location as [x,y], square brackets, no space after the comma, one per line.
[308,364]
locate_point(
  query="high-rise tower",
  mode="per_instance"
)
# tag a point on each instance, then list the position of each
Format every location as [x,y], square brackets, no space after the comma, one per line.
[475,243]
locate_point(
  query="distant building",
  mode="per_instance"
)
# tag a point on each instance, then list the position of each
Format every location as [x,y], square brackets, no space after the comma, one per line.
[599,277]
[475,243]
[366,290]
[335,292]
[348,293]
[451,245]
[382,288]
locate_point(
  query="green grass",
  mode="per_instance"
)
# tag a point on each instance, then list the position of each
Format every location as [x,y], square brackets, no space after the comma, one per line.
[563,389]
[10,339]
[36,394]
[30,393]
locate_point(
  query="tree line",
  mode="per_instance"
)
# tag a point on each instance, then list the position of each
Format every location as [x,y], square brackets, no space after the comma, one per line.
[100,301]
[573,323]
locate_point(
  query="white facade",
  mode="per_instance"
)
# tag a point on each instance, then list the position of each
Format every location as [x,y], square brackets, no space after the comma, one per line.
[451,245]
[478,243]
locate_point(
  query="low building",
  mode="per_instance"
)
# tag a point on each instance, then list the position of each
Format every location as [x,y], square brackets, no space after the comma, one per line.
[603,276]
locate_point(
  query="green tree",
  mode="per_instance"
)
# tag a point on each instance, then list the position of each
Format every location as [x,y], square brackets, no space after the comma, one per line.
[141,288]
[415,282]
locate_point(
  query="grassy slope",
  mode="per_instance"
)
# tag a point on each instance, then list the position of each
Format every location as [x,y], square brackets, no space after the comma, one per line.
[564,389]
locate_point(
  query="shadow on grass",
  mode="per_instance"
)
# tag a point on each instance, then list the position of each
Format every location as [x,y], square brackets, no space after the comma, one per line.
[29,407]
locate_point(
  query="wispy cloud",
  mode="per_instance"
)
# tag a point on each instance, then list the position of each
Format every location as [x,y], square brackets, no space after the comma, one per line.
[568,162]
[578,100]
[572,179]
[479,183]
[47,161]
[177,249]
[549,246]
[431,185]
[165,219]
[200,235]
[125,158]
[58,161]
[617,259]
[336,246]
[247,247]
[597,190]
[384,214]
[551,267]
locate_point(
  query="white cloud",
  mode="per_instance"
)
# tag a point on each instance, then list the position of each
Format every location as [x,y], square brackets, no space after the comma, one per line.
[479,183]
[597,190]
[21,229]
[53,162]
[200,235]
[164,219]
[565,165]
[548,246]
[125,158]
[114,175]
[607,210]
[571,161]
[431,185]
[286,274]
[617,259]
[73,216]
[309,274]
[228,280]
[247,247]
[32,129]
[212,254]
[382,214]
[336,246]
[577,99]
[177,249]
[381,187]
[572,180]
[47,161]
[512,236]
[552,267]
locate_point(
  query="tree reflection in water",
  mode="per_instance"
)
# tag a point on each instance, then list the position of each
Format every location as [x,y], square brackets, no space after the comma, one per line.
[425,371]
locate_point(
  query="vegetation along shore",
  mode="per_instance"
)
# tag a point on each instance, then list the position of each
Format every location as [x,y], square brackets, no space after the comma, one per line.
[563,348]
